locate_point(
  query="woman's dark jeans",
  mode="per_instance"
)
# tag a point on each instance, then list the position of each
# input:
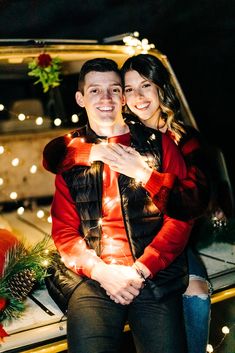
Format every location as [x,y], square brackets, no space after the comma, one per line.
[95,322]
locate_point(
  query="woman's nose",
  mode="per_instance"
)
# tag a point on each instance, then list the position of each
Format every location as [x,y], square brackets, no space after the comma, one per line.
[138,93]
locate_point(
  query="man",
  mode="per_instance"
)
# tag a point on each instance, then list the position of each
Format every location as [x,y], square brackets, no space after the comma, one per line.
[109,232]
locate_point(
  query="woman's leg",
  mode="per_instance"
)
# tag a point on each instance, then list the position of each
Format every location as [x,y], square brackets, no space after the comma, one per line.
[95,322]
[157,327]
[196,306]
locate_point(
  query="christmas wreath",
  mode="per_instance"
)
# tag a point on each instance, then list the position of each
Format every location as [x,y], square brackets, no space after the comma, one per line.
[21,268]
[47,70]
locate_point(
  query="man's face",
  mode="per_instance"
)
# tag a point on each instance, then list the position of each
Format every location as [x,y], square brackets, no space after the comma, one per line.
[102,98]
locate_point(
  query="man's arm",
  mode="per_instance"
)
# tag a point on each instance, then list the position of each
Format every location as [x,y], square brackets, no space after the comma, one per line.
[122,283]
[65,224]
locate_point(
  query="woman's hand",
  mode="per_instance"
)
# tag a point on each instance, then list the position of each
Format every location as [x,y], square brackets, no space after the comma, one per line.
[130,163]
[121,283]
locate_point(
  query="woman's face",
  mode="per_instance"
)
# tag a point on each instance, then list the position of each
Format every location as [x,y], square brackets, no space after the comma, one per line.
[142,98]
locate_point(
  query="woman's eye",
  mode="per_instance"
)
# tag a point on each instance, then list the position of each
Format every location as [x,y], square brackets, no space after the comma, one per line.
[127,90]
[146,85]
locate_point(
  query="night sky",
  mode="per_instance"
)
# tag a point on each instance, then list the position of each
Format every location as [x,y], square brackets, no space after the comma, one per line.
[197,36]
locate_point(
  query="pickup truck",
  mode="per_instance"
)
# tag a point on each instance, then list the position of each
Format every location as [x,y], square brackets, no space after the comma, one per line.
[29,118]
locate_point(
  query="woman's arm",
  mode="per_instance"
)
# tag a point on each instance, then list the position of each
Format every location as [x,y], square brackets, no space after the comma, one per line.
[189,197]
[181,198]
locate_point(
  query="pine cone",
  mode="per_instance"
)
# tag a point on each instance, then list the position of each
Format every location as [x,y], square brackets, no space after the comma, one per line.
[22,283]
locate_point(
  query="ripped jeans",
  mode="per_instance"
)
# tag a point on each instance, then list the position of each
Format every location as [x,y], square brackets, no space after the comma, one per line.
[196,308]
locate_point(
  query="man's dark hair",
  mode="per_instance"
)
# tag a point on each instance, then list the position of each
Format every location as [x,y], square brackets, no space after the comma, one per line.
[98,65]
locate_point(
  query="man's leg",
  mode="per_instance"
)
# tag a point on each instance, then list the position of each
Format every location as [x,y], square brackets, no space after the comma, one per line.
[95,322]
[157,327]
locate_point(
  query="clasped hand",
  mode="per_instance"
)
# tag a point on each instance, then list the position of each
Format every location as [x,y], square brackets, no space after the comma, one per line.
[121,283]
[122,159]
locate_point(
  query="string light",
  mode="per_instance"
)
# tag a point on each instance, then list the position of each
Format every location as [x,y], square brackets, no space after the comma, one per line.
[75,118]
[39,121]
[1,181]
[49,219]
[2,149]
[20,211]
[209,348]
[1,107]
[13,195]
[100,222]
[21,117]
[57,122]
[15,162]
[133,43]
[40,213]
[225,330]
[33,169]
[45,263]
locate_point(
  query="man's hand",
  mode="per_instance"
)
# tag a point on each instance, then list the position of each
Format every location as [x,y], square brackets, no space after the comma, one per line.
[121,283]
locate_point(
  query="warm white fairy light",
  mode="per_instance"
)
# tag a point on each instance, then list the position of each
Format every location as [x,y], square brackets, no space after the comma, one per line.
[82,140]
[100,222]
[139,176]
[209,348]
[45,263]
[75,118]
[2,149]
[20,211]
[133,43]
[21,117]
[40,213]
[39,121]
[15,162]
[49,219]
[1,181]
[46,251]
[33,169]
[225,330]
[57,122]
[13,195]
[1,107]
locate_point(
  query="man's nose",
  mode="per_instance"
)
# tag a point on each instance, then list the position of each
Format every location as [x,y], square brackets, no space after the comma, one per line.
[106,95]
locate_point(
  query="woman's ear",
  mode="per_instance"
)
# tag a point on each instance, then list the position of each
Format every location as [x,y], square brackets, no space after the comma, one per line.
[79,99]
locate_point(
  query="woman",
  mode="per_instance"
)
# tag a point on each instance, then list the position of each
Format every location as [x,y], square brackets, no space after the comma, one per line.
[151,97]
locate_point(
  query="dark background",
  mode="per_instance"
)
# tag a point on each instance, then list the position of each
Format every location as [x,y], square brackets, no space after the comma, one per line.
[197,36]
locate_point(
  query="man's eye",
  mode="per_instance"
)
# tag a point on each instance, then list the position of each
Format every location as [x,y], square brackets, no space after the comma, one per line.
[94,90]
[116,90]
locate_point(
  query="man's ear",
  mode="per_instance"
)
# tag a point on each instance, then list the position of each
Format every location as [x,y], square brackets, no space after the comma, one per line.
[79,99]
[123,100]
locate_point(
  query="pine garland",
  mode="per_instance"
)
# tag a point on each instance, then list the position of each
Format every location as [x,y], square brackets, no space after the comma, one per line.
[23,268]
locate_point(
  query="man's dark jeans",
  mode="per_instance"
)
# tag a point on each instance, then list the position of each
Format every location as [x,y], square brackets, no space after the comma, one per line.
[95,322]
